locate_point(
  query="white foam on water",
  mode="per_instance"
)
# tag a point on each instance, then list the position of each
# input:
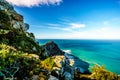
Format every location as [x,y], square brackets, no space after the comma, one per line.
[67,51]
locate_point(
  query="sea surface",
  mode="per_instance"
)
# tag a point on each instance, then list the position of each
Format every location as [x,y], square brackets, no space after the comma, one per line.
[102,52]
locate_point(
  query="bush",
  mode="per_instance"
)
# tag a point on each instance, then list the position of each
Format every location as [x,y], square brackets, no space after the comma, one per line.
[4,20]
[100,73]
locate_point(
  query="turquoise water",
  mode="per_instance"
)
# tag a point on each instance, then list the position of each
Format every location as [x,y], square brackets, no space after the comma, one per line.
[102,52]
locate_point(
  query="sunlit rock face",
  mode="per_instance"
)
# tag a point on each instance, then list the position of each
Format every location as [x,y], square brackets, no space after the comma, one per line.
[67,65]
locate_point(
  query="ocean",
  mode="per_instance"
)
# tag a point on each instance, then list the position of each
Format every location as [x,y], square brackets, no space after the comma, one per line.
[102,52]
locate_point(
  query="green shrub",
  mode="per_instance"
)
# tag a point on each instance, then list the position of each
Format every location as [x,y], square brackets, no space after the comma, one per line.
[100,73]
[4,20]
[10,57]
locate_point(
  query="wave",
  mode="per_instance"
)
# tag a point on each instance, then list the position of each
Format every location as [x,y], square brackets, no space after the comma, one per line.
[67,51]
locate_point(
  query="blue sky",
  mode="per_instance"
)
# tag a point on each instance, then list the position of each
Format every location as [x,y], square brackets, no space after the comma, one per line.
[71,19]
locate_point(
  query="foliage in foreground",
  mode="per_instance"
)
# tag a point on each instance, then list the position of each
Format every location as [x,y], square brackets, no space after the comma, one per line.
[100,73]
[48,63]
[14,63]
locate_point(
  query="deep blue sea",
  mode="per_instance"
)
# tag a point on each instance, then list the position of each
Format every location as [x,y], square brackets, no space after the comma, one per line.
[102,52]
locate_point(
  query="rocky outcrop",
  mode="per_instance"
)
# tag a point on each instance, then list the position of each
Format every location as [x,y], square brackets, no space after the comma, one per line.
[51,49]
[79,65]
[67,65]
[16,16]
[4,5]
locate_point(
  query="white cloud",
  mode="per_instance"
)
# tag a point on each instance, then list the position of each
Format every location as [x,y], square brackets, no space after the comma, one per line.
[72,27]
[30,3]
[77,26]
[53,25]
[63,29]
[106,22]
[96,33]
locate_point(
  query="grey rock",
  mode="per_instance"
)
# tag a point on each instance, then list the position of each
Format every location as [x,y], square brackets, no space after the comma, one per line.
[79,64]
[51,49]
[67,65]
[26,27]
[35,77]
[20,25]
[52,78]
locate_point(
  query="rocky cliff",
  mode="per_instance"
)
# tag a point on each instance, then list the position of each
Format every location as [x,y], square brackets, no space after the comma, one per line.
[65,64]
[13,30]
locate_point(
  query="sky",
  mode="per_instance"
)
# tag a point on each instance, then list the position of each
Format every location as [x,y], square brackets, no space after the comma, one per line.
[71,19]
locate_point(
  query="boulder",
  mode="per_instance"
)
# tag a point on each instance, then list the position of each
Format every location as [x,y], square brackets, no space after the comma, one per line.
[79,64]
[63,67]
[35,77]
[51,49]
[20,25]
[58,60]
[26,27]
[67,76]
[16,16]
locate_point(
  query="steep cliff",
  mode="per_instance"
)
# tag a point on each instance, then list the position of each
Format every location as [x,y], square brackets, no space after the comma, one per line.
[13,30]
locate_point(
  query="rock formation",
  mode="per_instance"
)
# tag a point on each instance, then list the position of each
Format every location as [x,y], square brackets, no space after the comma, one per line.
[51,49]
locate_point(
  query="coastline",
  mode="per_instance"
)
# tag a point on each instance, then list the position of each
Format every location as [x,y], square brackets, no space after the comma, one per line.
[90,55]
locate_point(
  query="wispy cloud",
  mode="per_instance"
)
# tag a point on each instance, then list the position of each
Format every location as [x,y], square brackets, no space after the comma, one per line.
[76,26]
[31,3]
[105,22]
[97,33]
[57,31]
[53,25]
[71,27]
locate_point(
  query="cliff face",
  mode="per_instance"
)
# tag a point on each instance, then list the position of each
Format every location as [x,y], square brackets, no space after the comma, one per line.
[13,30]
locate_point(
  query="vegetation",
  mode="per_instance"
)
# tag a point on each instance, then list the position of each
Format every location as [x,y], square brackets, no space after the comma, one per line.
[100,73]
[13,62]
[4,19]
[48,63]
[17,37]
